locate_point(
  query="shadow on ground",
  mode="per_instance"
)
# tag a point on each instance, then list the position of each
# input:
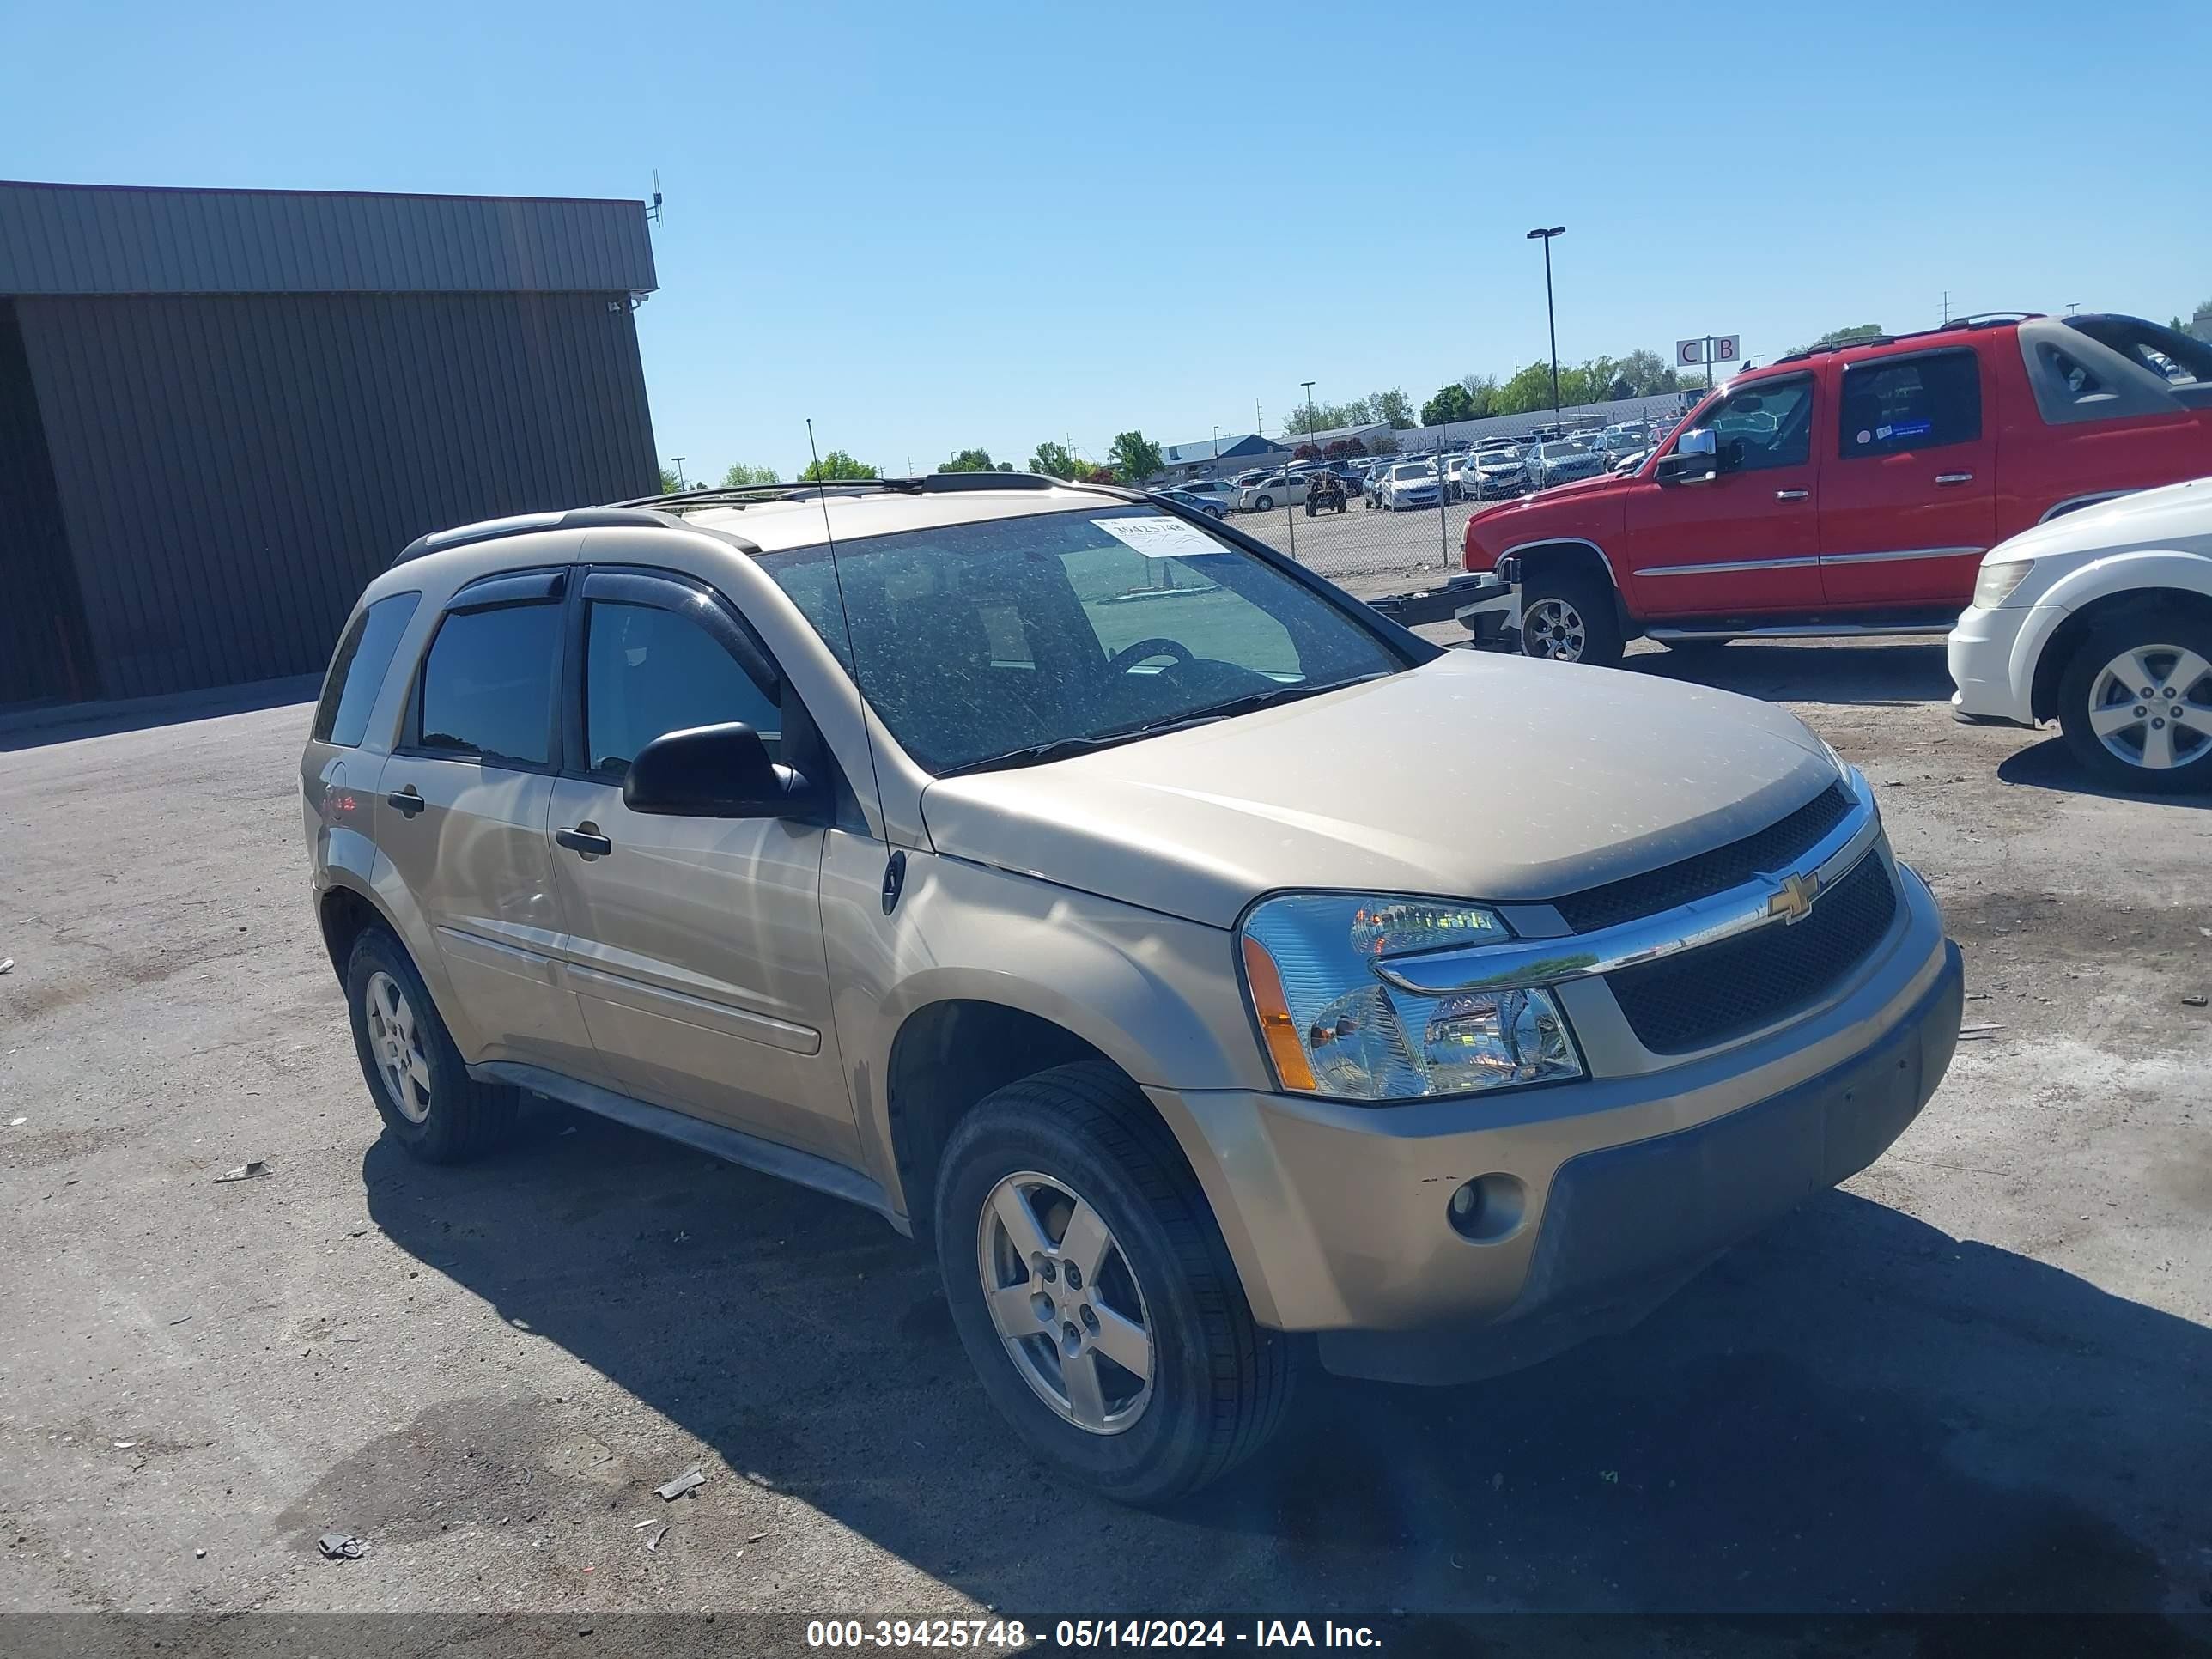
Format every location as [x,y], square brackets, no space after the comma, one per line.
[1855,1413]
[2048,765]
[1870,675]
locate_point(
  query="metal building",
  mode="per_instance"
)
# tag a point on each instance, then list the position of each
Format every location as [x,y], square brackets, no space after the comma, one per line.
[222,411]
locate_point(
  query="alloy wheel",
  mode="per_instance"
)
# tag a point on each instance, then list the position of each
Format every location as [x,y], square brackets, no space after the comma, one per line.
[1553,627]
[2151,707]
[1065,1302]
[397,1045]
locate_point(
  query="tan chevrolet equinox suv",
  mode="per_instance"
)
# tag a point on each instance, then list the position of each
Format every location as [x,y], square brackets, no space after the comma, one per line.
[1223,978]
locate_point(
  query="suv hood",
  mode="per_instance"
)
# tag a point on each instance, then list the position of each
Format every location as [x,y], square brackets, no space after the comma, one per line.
[1474,776]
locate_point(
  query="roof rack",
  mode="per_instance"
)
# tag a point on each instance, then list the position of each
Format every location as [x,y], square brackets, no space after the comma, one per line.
[929,484]
[651,511]
[1978,319]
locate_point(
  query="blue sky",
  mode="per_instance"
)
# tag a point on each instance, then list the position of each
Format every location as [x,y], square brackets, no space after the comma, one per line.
[928,228]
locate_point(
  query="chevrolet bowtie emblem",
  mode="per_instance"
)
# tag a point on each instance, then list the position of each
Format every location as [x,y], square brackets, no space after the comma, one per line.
[1793,902]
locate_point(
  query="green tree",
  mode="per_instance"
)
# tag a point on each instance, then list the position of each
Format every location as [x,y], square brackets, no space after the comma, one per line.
[1136,458]
[1846,336]
[835,465]
[1482,393]
[1393,406]
[1328,418]
[1528,391]
[1452,403]
[741,477]
[1056,461]
[969,460]
[1648,373]
[669,484]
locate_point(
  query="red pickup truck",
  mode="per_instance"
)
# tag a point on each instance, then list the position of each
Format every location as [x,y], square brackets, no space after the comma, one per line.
[1853,490]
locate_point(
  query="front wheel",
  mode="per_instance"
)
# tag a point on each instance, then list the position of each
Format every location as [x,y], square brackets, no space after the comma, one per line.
[1567,616]
[2135,704]
[1091,1288]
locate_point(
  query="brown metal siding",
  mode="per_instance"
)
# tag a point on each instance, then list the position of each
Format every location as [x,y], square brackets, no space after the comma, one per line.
[233,470]
[79,238]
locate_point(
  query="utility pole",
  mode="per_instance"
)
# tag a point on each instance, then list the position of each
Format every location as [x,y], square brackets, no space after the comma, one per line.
[1550,316]
[1947,305]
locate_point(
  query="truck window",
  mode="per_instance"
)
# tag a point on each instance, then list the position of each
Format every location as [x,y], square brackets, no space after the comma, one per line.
[1766,425]
[1920,401]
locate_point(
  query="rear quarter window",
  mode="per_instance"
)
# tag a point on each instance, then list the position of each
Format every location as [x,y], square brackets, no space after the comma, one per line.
[358,668]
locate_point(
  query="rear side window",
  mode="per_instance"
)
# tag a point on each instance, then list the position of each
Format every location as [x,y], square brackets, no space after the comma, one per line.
[1922,402]
[358,669]
[488,684]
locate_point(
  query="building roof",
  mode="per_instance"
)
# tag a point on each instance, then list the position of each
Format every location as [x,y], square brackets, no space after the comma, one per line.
[109,238]
[1215,449]
[1335,434]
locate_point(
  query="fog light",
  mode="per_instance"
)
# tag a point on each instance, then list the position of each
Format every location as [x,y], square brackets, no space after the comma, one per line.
[1489,1208]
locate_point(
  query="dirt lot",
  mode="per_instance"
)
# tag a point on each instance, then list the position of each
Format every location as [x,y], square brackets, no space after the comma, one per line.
[1977,1378]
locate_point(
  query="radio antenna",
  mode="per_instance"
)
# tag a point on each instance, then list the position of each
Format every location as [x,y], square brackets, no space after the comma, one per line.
[853,656]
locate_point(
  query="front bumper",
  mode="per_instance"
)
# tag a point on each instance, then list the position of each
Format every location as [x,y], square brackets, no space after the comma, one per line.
[1338,1215]
[1980,651]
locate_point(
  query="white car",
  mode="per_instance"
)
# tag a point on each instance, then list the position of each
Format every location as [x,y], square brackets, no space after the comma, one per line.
[1411,483]
[2102,620]
[1276,489]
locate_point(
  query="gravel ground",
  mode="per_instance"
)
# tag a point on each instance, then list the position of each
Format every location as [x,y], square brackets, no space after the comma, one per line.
[1975,1378]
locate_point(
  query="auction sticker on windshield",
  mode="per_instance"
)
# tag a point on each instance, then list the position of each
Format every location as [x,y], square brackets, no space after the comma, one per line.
[1160,538]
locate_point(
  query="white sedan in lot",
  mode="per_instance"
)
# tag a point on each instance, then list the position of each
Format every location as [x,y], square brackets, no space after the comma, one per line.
[1411,483]
[1276,489]
[2102,620]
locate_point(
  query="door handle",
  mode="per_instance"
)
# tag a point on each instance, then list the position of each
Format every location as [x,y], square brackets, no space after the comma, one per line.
[1791,494]
[1955,477]
[585,838]
[408,801]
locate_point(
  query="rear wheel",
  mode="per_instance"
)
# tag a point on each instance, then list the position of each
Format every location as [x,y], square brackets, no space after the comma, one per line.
[1568,616]
[1265,504]
[2135,704]
[430,1103]
[1091,1288]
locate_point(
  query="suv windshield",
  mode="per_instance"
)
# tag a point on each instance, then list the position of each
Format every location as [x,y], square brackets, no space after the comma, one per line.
[1018,639]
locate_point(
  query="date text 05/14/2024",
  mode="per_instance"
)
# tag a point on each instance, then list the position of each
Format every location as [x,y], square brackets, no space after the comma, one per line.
[1010,1635]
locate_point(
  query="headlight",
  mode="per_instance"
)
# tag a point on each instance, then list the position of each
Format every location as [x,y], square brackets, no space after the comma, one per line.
[1997,582]
[1333,1027]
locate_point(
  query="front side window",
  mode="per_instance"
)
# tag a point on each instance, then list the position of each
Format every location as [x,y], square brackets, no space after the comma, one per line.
[1922,402]
[1765,425]
[648,672]
[488,684]
[357,670]
[975,642]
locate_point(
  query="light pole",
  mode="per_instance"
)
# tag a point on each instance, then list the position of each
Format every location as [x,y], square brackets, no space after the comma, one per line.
[1550,317]
[1308,386]
[678,462]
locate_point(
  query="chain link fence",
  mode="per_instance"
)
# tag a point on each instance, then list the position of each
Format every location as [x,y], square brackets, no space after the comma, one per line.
[1407,510]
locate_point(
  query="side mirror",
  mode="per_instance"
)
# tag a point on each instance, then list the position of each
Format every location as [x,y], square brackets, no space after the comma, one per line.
[714,772]
[1694,459]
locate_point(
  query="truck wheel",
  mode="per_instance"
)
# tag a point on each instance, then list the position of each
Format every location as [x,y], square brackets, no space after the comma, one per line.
[1091,1287]
[2135,704]
[430,1103]
[1569,618]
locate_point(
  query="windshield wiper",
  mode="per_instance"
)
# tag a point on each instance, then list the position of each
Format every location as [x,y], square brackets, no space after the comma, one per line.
[1037,754]
[1269,698]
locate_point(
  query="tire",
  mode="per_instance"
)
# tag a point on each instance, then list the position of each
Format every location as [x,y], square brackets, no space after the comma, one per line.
[1219,1385]
[1311,509]
[1265,504]
[1569,616]
[2159,753]
[459,1118]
